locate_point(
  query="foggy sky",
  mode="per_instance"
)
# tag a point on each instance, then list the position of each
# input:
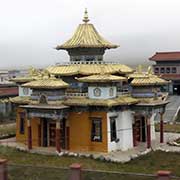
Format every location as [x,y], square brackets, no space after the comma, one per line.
[30,29]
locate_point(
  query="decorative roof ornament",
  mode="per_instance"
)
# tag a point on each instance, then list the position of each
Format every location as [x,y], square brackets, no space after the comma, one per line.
[139,69]
[150,72]
[85,18]
[33,72]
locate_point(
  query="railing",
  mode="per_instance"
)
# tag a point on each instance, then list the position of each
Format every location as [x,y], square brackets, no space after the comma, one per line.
[68,94]
[86,62]
[120,93]
[75,94]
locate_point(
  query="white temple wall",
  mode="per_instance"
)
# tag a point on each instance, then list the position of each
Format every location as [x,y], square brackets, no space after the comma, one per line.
[124,130]
[24,91]
[105,92]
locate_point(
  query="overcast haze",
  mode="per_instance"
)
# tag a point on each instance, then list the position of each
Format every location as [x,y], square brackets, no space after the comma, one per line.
[30,29]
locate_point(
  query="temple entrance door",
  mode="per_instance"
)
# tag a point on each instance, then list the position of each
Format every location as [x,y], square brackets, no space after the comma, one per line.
[52,134]
[63,133]
[139,129]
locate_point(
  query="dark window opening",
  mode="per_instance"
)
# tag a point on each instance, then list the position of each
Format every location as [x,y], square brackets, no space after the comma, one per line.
[174,70]
[168,70]
[113,128]
[22,123]
[43,99]
[96,131]
[156,70]
[162,70]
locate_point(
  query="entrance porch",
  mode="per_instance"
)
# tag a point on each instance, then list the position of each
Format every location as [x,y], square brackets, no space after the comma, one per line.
[47,127]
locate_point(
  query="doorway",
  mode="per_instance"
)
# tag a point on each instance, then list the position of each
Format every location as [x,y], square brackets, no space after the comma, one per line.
[52,134]
[139,128]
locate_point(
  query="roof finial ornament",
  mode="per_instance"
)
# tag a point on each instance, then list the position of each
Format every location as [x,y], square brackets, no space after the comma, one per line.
[86,18]
[139,69]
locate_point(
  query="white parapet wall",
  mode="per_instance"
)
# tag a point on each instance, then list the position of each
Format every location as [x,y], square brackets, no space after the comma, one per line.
[124,120]
[102,92]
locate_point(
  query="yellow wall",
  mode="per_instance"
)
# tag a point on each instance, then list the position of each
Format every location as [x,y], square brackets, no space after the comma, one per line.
[80,132]
[34,128]
[22,138]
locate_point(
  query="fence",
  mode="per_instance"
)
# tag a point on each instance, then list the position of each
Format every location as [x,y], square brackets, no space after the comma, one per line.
[74,172]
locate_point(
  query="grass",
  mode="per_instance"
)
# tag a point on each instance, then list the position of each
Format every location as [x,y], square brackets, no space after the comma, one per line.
[174,128]
[8,130]
[148,164]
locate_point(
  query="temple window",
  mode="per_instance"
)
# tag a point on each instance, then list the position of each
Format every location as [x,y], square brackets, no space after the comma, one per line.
[21,123]
[25,91]
[97,92]
[96,130]
[162,70]
[156,70]
[174,70]
[113,128]
[168,70]
[43,99]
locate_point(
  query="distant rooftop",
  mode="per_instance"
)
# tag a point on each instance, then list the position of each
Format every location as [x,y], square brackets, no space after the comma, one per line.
[166,56]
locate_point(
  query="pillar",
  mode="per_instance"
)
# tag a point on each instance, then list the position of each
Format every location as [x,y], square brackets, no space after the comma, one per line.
[161,128]
[134,136]
[148,132]
[29,135]
[3,169]
[75,172]
[163,175]
[58,145]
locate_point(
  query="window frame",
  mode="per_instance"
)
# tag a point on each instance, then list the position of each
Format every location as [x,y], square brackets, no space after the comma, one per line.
[21,123]
[162,70]
[168,70]
[113,133]
[156,70]
[174,70]
[93,129]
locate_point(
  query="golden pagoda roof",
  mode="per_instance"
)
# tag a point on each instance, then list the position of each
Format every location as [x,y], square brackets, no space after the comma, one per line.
[122,100]
[150,80]
[20,99]
[102,78]
[89,69]
[137,75]
[46,83]
[86,36]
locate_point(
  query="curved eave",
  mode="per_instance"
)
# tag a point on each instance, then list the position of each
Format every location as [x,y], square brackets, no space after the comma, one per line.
[46,87]
[86,46]
[149,84]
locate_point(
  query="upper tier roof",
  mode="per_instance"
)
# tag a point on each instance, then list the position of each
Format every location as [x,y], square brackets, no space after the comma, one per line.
[89,69]
[166,56]
[150,80]
[46,83]
[102,78]
[86,36]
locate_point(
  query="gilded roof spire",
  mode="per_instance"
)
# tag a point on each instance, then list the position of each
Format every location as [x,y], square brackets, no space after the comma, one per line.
[86,18]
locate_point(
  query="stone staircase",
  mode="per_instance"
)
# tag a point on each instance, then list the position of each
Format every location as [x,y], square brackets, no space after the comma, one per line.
[172,108]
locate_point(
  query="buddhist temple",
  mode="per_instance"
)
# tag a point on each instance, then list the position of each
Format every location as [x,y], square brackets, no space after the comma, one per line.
[88,104]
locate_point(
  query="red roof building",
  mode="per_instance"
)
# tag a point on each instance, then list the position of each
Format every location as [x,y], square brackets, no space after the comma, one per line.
[166,56]
[168,66]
